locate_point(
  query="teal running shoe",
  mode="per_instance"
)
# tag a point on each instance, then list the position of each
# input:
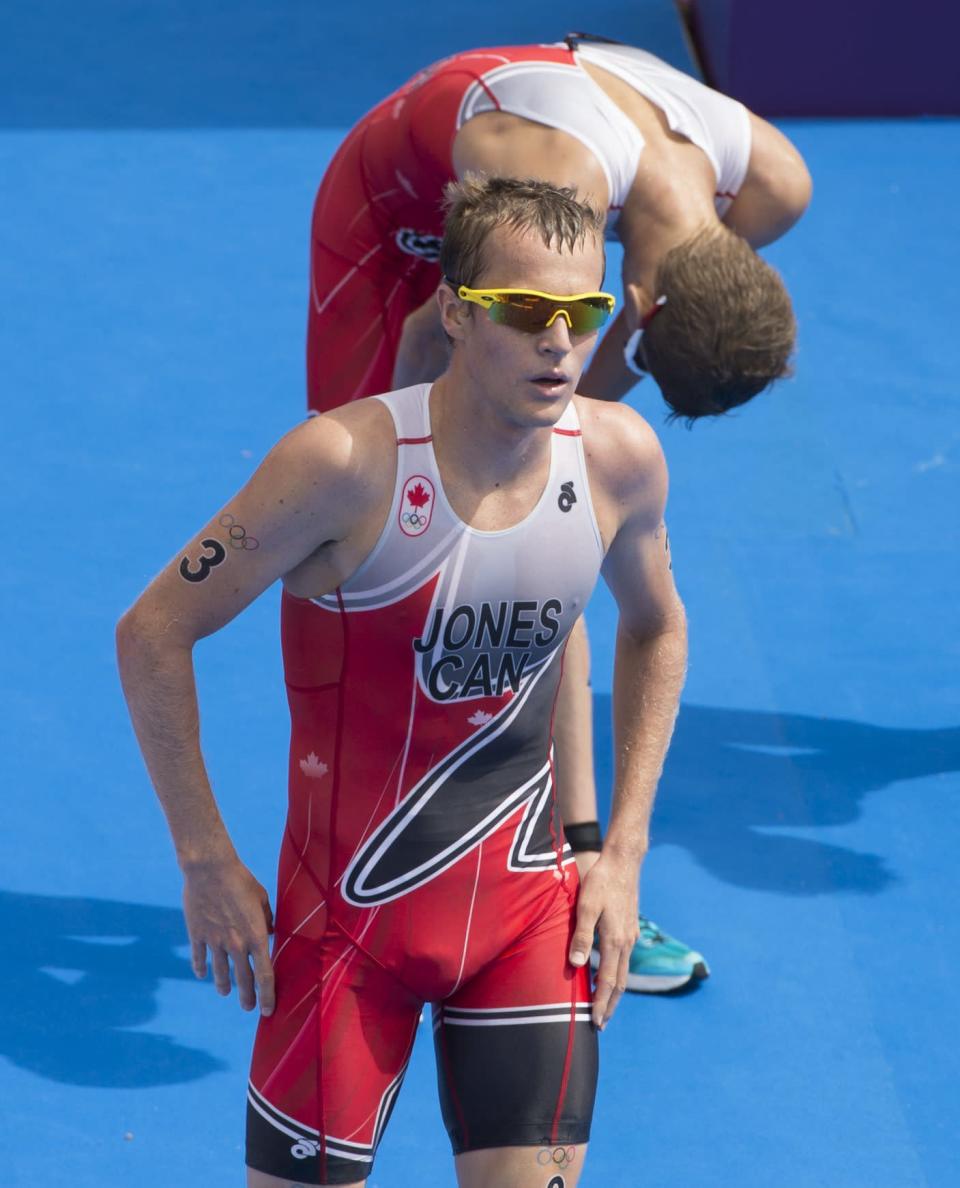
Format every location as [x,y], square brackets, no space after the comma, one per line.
[660,963]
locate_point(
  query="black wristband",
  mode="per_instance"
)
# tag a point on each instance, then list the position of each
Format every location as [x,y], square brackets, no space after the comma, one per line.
[584,837]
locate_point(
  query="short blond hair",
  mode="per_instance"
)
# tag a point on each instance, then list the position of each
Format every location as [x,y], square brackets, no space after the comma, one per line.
[727,330]
[477,205]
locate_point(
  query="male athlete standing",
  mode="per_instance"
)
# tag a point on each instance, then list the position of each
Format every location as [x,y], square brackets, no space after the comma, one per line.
[691,182]
[436,546]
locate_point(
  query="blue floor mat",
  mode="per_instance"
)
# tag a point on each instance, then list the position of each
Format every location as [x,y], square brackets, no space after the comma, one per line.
[155,285]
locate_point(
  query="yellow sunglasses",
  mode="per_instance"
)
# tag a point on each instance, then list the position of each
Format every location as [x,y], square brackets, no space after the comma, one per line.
[532,311]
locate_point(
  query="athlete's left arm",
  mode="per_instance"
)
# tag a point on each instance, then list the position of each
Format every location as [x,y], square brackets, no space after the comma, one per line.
[423,353]
[629,480]
[776,190]
[607,376]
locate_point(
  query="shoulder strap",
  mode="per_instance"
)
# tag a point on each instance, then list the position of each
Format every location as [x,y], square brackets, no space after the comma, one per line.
[410,412]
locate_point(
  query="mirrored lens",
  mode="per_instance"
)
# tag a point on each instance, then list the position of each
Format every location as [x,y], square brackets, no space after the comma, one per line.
[524,311]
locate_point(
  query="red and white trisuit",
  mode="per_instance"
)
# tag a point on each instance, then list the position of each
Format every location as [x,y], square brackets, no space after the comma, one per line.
[424,858]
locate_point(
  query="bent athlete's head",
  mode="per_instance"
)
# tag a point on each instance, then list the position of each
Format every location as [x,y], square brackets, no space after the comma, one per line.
[521,301]
[725,330]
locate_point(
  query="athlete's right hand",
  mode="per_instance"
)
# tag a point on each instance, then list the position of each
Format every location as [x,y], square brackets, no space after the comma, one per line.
[228,911]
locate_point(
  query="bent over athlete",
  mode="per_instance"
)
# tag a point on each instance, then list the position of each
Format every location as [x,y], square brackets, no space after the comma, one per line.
[691,182]
[436,545]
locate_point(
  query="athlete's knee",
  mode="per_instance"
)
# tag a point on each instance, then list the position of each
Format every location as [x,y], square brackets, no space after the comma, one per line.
[550,1165]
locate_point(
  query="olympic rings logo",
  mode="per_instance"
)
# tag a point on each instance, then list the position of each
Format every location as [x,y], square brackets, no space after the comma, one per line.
[416,505]
[238,534]
[560,1156]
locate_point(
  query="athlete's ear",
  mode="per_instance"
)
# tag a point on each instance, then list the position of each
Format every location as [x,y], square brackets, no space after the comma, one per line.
[453,312]
[636,301]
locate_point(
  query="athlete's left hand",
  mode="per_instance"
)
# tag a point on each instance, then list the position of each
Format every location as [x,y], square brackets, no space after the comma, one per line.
[607,904]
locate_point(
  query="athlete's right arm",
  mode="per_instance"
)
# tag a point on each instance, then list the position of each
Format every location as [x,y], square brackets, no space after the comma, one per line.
[309,491]
[776,190]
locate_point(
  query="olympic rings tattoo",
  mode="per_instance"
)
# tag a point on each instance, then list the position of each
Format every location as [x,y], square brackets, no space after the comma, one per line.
[558,1156]
[214,553]
[238,534]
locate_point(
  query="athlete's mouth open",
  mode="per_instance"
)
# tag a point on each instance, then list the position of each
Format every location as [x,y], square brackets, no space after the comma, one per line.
[551,381]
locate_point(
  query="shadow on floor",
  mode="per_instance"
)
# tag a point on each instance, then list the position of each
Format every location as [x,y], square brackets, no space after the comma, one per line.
[81,975]
[735,778]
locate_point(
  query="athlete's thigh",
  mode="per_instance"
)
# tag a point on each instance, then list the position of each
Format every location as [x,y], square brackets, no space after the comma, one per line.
[353,327]
[517,1053]
[362,288]
[327,1064]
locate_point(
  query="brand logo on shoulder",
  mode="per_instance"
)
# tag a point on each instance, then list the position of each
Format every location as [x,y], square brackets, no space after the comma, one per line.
[566,499]
[416,505]
[416,243]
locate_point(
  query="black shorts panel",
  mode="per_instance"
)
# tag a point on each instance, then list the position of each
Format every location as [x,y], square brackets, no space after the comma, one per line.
[509,1081]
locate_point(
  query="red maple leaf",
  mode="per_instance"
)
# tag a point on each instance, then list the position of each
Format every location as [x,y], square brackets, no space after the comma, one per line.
[418,496]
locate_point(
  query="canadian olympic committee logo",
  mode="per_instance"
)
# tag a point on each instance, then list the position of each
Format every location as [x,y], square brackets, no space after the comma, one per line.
[416,505]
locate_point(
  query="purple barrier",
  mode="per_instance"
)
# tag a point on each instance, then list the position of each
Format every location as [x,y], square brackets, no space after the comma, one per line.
[831,57]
